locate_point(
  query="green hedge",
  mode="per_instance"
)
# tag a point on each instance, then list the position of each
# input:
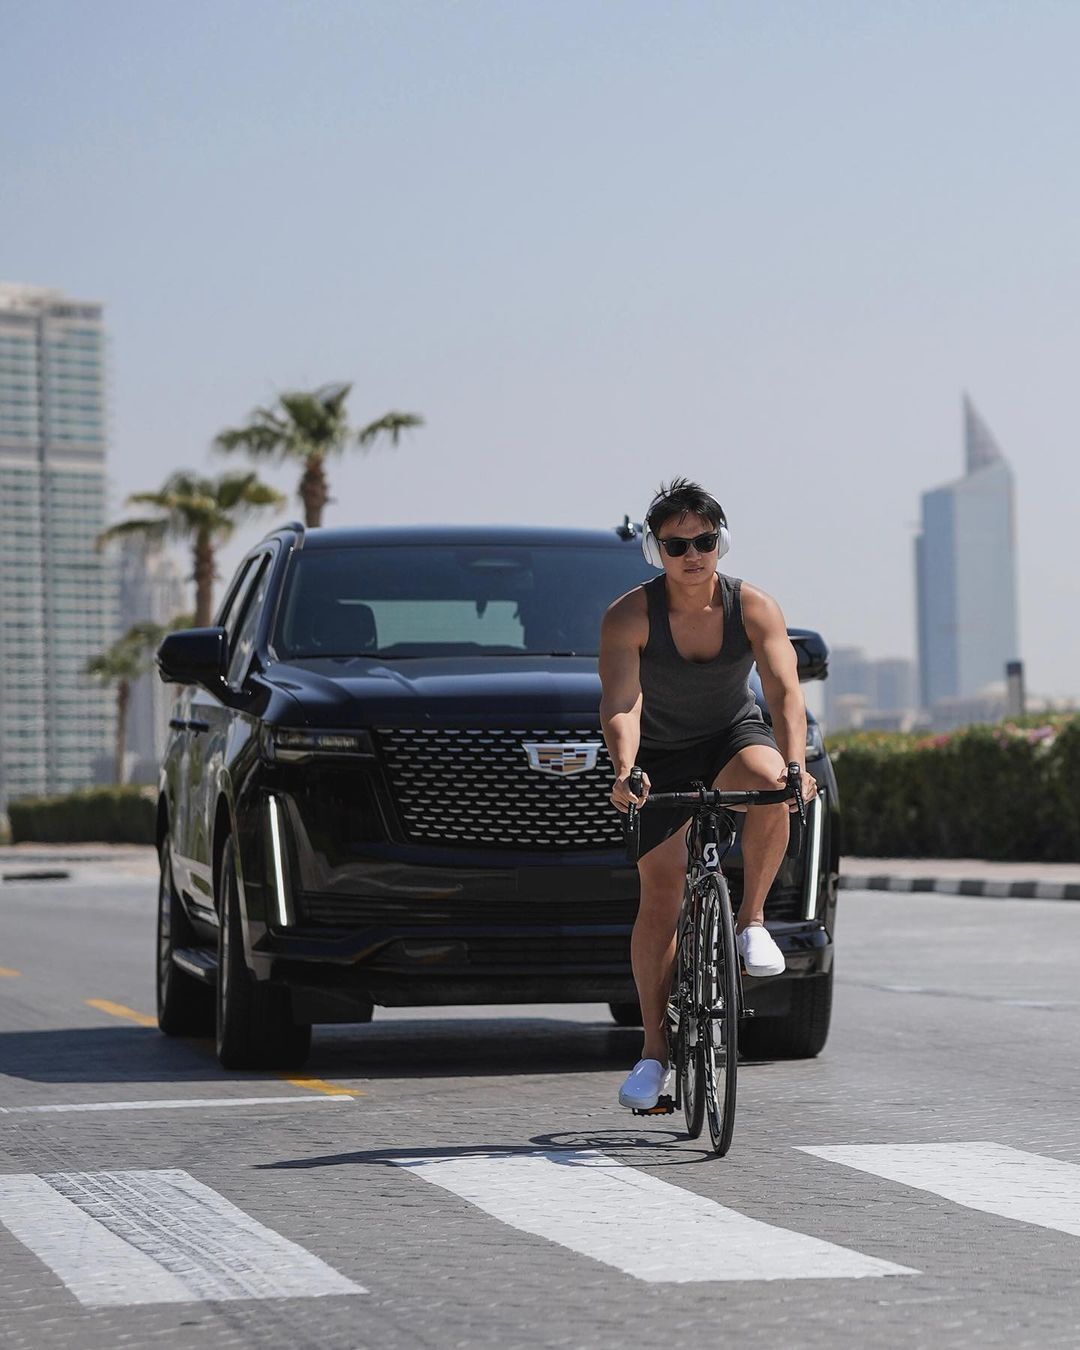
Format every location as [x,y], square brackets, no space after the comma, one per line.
[1008,792]
[108,815]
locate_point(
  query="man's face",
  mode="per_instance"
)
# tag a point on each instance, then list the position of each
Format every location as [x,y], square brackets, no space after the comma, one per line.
[691,565]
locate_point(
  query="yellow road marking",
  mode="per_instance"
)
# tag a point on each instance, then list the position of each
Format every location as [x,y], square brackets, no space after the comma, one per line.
[6,970]
[120,1010]
[321,1085]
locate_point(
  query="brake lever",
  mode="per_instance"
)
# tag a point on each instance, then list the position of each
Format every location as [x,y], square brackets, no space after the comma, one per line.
[794,775]
[634,784]
[632,842]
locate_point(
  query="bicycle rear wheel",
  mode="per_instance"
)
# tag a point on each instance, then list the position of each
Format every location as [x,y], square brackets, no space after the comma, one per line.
[720,1014]
[689,1061]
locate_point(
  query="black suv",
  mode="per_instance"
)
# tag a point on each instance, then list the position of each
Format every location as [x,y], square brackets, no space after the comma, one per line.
[386,784]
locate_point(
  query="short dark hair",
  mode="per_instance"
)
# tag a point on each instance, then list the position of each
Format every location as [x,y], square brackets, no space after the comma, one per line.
[681,498]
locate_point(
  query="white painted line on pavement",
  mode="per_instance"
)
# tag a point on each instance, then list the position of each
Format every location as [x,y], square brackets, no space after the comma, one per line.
[123,1238]
[989,1177]
[1050,890]
[645,1227]
[169,1104]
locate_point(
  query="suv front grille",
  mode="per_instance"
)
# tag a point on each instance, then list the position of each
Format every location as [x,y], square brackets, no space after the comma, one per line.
[474,789]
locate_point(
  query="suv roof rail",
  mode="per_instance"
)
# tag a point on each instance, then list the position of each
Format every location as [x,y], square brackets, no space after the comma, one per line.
[295,526]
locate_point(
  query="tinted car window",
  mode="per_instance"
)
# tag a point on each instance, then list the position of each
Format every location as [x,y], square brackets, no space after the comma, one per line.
[446,600]
[229,615]
[244,640]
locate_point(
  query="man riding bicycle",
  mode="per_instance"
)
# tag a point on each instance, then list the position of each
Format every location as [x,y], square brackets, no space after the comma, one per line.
[675,660]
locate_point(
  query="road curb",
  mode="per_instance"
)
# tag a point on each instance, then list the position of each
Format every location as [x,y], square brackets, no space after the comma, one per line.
[977,886]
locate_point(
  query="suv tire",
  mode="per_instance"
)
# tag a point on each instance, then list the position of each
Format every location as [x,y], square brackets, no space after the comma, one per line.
[185,1006]
[802,1033]
[625,1014]
[255,1029]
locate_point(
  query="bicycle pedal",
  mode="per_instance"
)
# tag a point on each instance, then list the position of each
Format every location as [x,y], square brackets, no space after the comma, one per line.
[664,1107]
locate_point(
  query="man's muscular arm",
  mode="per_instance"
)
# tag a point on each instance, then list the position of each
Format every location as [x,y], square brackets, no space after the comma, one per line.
[778,668]
[620,702]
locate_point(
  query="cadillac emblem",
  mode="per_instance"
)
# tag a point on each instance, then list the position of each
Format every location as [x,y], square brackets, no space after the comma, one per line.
[561,757]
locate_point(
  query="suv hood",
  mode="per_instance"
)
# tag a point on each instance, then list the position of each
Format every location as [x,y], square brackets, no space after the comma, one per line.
[360,691]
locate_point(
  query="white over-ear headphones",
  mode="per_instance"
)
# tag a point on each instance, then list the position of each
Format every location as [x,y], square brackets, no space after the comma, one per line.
[650,545]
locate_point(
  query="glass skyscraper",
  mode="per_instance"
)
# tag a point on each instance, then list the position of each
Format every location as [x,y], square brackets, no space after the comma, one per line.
[56,600]
[965,566]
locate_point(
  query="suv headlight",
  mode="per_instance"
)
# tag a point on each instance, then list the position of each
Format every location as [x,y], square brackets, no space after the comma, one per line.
[815,742]
[287,743]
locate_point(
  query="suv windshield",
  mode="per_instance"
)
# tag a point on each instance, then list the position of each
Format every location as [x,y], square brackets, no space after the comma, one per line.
[448,600]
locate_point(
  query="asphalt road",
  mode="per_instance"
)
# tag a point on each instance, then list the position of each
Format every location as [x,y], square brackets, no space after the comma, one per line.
[465,1178]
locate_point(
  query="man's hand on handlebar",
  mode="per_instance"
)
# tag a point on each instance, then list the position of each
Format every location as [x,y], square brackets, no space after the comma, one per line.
[621,796]
[808,788]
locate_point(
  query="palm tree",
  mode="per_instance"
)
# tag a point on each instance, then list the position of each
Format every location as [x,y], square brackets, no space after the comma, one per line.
[203,512]
[308,427]
[122,664]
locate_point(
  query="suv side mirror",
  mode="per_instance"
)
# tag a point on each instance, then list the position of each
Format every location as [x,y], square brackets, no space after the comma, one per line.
[812,652]
[194,656]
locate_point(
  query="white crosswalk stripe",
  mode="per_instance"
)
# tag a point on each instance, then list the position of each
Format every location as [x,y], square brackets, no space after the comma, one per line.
[635,1222]
[121,1238]
[138,1237]
[981,1175]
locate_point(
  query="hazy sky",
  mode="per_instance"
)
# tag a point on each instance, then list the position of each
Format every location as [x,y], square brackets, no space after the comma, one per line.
[594,244]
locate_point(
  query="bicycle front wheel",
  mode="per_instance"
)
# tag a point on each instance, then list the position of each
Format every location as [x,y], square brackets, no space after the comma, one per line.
[720,1016]
[685,1004]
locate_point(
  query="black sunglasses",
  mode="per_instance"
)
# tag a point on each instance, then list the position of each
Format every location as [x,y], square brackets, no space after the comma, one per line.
[704,543]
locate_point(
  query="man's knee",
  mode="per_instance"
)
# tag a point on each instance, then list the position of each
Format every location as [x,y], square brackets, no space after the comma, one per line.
[660,903]
[660,898]
[754,768]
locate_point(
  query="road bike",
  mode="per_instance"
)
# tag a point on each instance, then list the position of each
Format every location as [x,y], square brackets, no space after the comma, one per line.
[706,1004]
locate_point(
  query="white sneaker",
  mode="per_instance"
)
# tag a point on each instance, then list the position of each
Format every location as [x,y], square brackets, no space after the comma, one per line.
[643,1086]
[760,954]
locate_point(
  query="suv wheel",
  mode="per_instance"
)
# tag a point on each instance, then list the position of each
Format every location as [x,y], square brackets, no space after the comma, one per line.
[255,1029]
[802,1033]
[625,1014]
[185,1006]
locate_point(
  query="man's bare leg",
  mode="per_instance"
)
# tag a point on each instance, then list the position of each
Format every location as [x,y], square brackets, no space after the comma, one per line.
[662,872]
[765,828]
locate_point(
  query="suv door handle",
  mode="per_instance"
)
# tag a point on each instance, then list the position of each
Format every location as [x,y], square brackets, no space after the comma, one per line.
[177,724]
[198,726]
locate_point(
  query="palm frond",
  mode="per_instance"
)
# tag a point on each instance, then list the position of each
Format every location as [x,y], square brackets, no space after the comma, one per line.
[126,659]
[261,439]
[237,491]
[149,529]
[333,396]
[192,503]
[391,424]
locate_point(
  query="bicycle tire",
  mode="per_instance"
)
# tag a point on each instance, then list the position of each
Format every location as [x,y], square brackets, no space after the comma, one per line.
[689,1061]
[720,1011]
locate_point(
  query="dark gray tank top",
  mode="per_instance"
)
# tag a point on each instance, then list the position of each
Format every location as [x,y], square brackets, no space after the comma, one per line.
[687,701]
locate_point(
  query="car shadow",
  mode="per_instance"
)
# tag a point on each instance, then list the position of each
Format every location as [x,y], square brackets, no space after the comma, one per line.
[474,1046]
[416,1048]
[104,1055]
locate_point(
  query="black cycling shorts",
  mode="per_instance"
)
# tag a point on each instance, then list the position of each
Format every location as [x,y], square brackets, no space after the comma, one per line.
[673,770]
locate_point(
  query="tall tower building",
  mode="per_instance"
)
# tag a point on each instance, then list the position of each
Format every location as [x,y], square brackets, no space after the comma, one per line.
[56,603]
[965,569]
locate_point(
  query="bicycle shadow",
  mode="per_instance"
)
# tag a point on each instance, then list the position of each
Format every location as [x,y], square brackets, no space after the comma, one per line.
[590,1148]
